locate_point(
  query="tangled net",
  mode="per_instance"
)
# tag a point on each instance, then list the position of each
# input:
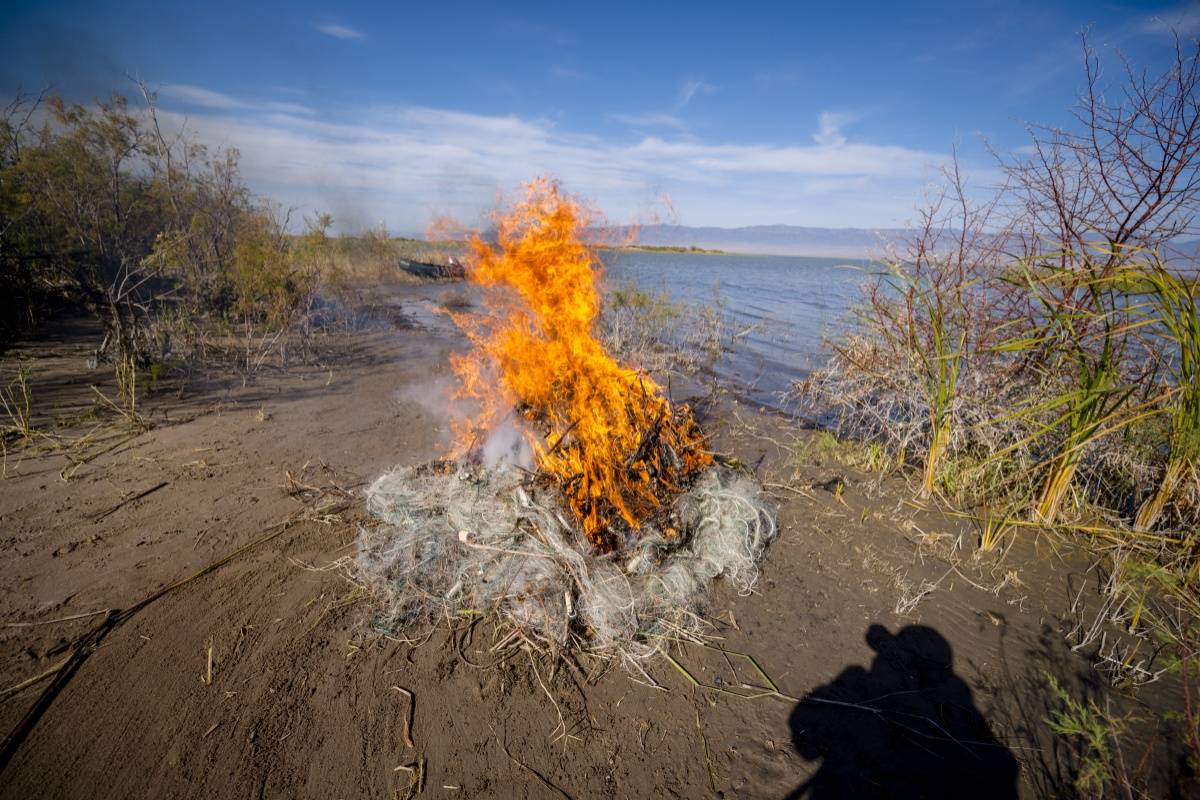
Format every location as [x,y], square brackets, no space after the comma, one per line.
[454,541]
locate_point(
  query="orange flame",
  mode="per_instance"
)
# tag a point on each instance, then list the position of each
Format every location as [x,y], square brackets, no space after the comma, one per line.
[612,442]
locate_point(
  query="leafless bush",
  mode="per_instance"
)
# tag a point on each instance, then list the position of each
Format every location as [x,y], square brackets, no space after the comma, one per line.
[925,374]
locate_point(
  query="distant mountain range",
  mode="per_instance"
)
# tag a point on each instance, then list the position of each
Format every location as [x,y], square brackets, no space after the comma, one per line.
[784,240]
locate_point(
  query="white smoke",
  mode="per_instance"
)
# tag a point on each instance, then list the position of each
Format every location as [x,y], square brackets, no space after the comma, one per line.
[507,441]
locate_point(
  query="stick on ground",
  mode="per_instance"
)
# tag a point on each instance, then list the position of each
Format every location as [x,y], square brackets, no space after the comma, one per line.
[129,500]
[408,719]
[541,778]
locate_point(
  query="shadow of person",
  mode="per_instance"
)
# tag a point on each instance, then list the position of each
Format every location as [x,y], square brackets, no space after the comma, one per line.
[906,728]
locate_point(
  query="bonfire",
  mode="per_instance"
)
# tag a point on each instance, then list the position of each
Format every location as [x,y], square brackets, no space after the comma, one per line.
[603,432]
[610,535]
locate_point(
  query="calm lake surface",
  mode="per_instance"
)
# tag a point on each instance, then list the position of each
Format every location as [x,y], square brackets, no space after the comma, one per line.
[789,303]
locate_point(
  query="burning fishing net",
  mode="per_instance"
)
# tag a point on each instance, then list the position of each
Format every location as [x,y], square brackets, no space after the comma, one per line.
[611,542]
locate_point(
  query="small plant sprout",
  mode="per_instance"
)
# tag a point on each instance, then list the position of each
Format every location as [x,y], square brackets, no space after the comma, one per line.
[992,527]
[1091,733]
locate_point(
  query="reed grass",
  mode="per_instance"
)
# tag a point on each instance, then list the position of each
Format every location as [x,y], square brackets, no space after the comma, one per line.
[924,318]
[1080,337]
[1174,299]
[941,369]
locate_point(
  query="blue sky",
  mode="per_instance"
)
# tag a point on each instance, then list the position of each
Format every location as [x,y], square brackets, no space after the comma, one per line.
[836,115]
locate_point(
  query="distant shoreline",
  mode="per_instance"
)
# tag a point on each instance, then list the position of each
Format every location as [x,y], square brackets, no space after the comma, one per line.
[656,248]
[854,261]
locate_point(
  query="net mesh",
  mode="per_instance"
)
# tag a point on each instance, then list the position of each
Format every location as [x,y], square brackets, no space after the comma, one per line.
[449,541]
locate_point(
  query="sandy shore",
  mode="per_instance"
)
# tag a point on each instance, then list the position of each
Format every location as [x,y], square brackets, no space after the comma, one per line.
[299,702]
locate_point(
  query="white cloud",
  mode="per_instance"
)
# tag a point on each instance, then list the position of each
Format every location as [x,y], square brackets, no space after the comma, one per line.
[218,101]
[662,119]
[649,119]
[197,96]
[829,127]
[289,108]
[405,163]
[690,89]
[339,31]
[833,158]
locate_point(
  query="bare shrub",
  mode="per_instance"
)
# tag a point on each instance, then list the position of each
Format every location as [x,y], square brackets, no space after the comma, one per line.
[638,326]
[925,374]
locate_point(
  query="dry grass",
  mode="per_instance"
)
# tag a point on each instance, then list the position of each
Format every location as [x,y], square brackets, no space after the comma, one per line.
[16,400]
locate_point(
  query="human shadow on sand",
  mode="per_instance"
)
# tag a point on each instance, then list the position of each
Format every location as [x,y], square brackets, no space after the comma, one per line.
[906,728]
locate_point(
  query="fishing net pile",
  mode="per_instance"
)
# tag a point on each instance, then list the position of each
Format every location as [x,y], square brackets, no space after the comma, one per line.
[610,541]
[453,541]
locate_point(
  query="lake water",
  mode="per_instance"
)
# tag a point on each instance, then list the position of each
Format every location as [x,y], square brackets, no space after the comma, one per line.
[791,303]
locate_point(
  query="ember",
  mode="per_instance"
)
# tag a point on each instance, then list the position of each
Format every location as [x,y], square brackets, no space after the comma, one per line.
[604,433]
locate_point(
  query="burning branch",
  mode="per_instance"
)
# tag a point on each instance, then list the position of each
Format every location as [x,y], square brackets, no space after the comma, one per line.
[534,349]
